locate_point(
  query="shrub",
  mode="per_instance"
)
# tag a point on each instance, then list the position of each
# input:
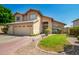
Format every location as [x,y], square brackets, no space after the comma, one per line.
[57,31]
[74,31]
[47,31]
[78,37]
[5,29]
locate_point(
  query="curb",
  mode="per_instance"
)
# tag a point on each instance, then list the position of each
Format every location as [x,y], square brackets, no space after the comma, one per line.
[53,53]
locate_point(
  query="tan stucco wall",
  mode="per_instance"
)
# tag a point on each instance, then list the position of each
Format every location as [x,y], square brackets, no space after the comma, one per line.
[57,25]
[32,12]
[10,29]
[18,15]
[36,27]
[21,29]
[37,24]
[52,24]
[25,18]
[45,19]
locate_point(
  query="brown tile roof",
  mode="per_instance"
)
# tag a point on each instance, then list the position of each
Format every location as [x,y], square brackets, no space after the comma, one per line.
[19,14]
[48,17]
[34,11]
[29,11]
[60,22]
[54,20]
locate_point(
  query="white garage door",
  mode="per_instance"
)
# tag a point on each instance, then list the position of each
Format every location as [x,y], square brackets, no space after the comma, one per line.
[20,30]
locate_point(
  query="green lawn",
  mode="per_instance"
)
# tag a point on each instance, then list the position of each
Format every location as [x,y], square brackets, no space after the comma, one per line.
[54,42]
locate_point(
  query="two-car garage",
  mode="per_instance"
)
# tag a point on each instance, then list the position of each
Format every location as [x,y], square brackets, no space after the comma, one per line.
[21,29]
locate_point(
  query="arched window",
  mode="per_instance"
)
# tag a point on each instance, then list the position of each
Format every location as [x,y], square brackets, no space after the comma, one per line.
[33,16]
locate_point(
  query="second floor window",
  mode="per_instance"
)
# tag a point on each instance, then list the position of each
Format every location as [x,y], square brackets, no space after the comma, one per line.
[17,18]
[33,16]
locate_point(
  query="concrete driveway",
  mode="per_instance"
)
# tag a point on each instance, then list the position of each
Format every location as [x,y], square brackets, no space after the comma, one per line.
[31,48]
[12,45]
[22,45]
[6,38]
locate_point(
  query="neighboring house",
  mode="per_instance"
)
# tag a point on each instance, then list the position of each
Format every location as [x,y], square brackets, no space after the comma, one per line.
[76,22]
[33,22]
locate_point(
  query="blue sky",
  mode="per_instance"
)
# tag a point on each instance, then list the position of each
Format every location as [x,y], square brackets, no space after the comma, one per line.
[61,12]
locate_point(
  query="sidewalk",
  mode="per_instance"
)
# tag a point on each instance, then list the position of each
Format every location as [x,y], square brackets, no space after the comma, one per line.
[73,40]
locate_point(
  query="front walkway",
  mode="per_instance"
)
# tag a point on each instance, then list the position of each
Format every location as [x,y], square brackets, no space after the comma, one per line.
[72,49]
[73,40]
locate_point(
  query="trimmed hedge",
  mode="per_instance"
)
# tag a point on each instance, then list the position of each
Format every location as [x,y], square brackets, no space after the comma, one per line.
[74,31]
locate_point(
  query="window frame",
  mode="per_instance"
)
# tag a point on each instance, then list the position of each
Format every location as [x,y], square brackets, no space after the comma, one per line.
[33,16]
[17,18]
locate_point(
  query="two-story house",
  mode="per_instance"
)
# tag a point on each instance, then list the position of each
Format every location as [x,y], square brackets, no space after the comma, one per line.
[76,22]
[33,22]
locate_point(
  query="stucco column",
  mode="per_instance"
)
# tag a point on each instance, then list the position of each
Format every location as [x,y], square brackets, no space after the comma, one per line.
[50,26]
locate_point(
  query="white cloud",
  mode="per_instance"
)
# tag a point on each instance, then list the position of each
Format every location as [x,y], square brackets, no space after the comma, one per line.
[69,25]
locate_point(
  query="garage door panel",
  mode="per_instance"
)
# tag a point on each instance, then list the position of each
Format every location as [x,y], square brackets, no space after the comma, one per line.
[23,30]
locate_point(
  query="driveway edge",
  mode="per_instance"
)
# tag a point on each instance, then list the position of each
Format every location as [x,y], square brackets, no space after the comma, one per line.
[53,53]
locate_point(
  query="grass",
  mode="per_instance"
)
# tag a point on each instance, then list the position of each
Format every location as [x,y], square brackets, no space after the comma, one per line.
[54,42]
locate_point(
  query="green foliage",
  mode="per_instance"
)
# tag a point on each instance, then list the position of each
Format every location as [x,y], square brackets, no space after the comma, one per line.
[47,31]
[57,31]
[5,15]
[78,37]
[74,31]
[54,42]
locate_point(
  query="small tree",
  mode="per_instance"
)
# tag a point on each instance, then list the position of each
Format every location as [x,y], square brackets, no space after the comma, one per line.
[47,31]
[5,16]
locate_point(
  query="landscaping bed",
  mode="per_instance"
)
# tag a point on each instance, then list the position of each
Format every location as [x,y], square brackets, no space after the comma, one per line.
[54,42]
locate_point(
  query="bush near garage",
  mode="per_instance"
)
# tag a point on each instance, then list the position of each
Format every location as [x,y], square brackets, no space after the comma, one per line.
[47,31]
[5,29]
